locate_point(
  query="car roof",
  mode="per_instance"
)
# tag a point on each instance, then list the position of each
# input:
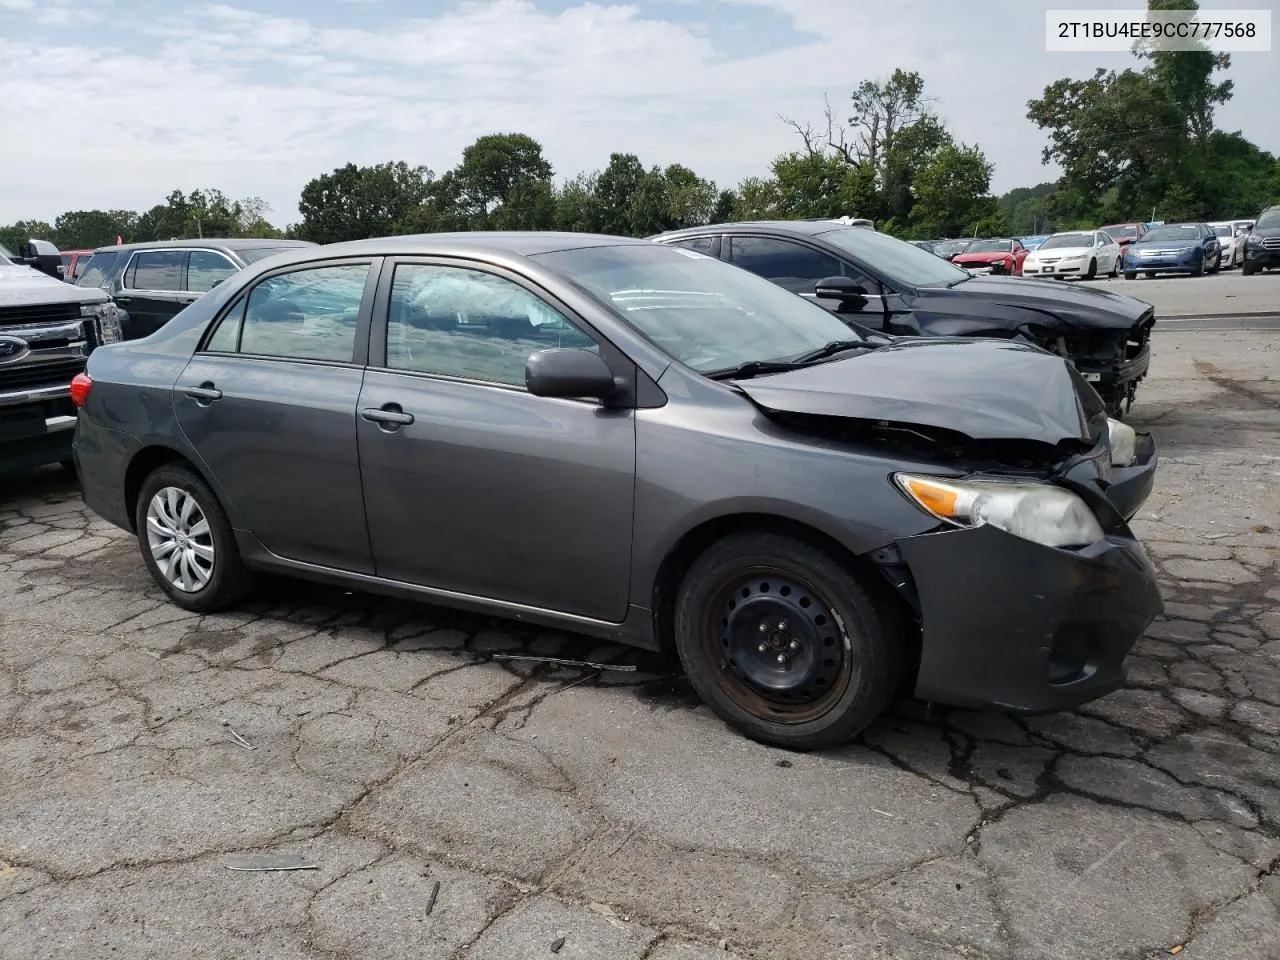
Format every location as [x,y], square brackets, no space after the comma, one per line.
[800,228]
[226,243]
[524,243]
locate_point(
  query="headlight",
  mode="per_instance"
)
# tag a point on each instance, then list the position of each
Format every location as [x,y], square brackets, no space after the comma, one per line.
[107,316]
[1034,511]
[1124,443]
[1252,241]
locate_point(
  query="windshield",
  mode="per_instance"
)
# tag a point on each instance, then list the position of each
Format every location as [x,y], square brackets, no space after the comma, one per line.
[990,246]
[897,260]
[1068,240]
[96,272]
[1269,220]
[5,255]
[951,247]
[700,310]
[1121,231]
[254,254]
[1224,230]
[1185,232]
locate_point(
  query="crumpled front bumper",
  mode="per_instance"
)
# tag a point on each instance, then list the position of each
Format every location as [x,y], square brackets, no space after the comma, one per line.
[1010,623]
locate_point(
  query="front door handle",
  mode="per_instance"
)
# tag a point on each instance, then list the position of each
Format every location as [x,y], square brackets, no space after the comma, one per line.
[204,394]
[388,415]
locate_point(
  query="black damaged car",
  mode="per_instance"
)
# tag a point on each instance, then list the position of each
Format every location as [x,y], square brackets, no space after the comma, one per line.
[887,284]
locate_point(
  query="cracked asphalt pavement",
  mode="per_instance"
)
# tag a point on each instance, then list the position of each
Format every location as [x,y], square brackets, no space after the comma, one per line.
[458,806]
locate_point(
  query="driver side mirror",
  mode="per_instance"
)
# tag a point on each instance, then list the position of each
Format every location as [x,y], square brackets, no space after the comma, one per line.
[849,292]
[42,255]
[569,373]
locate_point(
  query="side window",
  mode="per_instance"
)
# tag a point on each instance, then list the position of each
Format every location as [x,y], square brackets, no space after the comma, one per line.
[156,270]
[457,322]
[705,245]
[226,338]
[787,264]
[306,315]
[206,268]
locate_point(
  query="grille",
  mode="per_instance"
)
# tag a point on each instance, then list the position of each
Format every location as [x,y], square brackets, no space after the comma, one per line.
[1049,260]
[40,313]
[1271,243]
[39,374]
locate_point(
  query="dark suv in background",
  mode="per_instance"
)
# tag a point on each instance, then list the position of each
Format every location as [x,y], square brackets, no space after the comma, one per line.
[886,284]
[1262,245]
[151,282]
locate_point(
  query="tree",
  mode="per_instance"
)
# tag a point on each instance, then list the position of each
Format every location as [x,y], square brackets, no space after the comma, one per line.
[758,198]
[952,196]
[79,229]
[691,201]
[505,169]
[15,235]
[353,203]
[578,205]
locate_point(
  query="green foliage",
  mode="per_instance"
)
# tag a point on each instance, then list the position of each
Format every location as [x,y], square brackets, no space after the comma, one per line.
[16,234]
[1140,142]
[352,202]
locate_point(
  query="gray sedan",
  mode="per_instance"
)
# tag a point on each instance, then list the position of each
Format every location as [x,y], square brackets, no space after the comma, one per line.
[642,443]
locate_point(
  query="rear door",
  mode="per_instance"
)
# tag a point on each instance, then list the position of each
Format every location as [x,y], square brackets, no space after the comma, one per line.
[269,404]
[472,484]
[151,290]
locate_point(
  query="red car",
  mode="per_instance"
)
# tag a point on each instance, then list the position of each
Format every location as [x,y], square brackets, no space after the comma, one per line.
[73,263]
[1125,234]
[993,256]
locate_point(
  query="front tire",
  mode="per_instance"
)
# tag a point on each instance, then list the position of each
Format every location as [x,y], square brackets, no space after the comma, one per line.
[1248,269]
[785,644]
[187,543]
[1092,271]
[1217,264]
[1131,274]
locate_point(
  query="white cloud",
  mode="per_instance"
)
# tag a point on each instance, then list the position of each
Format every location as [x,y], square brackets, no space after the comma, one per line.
[219,95]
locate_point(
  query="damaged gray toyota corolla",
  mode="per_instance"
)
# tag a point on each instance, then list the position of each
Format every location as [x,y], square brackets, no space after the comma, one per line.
[641,443]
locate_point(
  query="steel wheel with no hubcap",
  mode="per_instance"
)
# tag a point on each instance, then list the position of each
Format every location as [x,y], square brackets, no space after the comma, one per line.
[180,540]
[783,652]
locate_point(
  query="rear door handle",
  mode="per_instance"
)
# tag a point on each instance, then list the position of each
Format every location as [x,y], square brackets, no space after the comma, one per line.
[389,415]
[205,392]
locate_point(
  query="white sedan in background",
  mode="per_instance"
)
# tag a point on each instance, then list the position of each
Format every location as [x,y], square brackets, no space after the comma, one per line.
[1076,253]
[1232,241]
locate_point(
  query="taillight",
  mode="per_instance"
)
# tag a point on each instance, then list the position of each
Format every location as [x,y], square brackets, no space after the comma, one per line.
[80,386]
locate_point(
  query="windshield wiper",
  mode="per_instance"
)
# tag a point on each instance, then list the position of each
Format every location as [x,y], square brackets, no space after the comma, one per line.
[956,282]
[752,368]
[832,348]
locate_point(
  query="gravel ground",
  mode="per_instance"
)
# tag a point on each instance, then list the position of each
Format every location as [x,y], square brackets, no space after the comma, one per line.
[458,806]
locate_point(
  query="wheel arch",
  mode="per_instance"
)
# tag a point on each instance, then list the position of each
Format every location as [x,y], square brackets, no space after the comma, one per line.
[141,466]
[693,542]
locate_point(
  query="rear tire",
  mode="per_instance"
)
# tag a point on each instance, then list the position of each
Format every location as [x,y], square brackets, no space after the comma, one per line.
[182,525]
[834,650]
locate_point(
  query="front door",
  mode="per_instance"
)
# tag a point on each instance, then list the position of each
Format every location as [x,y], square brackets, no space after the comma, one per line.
[269,404]
[472,484]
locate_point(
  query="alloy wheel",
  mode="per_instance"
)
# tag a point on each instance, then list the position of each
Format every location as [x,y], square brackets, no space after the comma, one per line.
[180,539]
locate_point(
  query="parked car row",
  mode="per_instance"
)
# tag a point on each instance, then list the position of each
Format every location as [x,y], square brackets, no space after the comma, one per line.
[869,473]
[1132,248]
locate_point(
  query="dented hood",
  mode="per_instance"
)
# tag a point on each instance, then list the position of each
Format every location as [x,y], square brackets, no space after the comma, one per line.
[984,389]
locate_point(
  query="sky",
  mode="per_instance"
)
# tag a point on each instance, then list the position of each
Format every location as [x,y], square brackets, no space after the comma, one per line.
[111,104]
